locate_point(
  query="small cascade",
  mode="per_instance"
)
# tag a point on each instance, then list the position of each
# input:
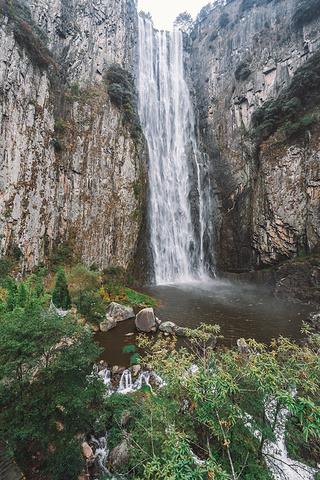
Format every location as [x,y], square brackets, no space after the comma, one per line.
[280,464]
[125,385]
[180,212]
[101,452]
[105,374]
[276,454]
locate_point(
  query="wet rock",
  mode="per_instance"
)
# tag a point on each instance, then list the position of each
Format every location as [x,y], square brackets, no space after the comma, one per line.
[172,328]
[314,320]
[116,369]
[95,327]
[135,370]
[107,324]
[242,346]
[119,455]
[118,312]
[167,327]
[146,321]
[87,452]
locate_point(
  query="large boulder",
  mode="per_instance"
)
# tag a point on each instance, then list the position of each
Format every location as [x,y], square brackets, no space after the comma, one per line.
[119,455]
[107,324]
[118,312]
[146,321]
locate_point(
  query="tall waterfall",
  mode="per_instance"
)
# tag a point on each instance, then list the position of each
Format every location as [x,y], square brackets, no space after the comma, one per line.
[179,182]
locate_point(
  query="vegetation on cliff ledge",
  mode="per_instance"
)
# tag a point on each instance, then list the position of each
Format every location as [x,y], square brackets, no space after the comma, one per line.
[123,94]
[292,109]
[27,33]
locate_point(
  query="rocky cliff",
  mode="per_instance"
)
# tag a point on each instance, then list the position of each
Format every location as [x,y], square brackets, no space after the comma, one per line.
[266,190]
[72,173]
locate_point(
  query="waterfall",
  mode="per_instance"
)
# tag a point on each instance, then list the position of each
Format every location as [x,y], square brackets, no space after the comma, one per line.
[179,180]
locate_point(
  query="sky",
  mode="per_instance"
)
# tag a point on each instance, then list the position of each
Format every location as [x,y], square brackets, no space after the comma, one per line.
[164,12]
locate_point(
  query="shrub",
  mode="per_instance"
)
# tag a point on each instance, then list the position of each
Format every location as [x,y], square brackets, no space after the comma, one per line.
[60,295]
[59,125]
[136,189]
[290,109]
[27,33]
[123,94]
[57,144]
[67,463]
[306,12]
[242,71]
[223,20]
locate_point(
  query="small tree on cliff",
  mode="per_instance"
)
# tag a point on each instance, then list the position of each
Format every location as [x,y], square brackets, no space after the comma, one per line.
[184,22]
[60,295]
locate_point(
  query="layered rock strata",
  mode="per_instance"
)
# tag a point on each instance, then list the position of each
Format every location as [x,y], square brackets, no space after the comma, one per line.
[267,202]
[70,172]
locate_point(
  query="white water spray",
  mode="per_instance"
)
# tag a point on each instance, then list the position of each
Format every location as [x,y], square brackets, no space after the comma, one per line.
[179,203]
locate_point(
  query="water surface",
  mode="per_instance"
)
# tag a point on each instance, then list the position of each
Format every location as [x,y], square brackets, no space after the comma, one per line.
[240,310]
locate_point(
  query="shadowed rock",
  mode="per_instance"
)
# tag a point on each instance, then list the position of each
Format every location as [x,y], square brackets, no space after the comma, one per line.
[146,321]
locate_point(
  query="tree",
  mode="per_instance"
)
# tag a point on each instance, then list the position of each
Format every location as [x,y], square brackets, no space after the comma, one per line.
[184,22]
[60,295]
[204,12]
[227,397]
[84,284]
[223,20]
[48,394]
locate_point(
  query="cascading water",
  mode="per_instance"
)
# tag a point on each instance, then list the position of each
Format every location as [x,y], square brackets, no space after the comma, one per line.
[179,181]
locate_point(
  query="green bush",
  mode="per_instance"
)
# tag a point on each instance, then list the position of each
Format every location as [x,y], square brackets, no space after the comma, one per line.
[59,125]
[66,463]
[60,295]
[290,110]
[223,20]
[27,33]
[123,95]
[306,12]
[242,71]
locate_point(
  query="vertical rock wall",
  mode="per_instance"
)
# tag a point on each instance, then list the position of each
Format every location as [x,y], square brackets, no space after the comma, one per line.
[70,172]
[268,202]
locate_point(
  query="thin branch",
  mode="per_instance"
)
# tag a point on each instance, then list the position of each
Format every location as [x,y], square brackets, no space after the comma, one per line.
[243,467]
[226,443]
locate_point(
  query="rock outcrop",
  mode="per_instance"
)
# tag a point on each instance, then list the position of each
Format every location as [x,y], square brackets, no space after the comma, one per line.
[267,198]
[71,173]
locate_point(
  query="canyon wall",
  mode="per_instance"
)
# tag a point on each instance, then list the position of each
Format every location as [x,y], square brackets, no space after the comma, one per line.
[72,175]
[267,196]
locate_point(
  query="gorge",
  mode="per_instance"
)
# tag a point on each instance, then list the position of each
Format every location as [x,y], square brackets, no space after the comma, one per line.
[73,175]
[188,161]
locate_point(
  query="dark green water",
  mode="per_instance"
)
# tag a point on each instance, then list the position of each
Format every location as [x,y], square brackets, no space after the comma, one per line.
[240,310]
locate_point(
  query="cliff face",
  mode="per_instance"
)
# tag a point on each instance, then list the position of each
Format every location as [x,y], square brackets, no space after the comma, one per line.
[71,172]
[267,196]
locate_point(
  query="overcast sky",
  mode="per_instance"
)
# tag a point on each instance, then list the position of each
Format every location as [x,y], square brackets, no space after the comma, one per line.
[164,12]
